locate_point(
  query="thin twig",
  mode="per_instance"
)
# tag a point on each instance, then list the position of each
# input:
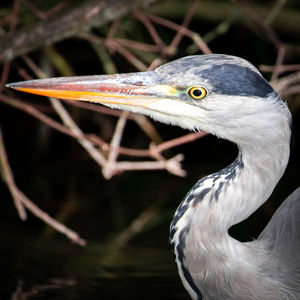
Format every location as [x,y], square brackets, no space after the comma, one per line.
[283,83]
[292,90]
[176,142]
[137,225]
[21,201]
[188,18]
[192,35]
[65,25]
[148,128]
[113,28]
[14,15]
[138,45]
[280,68]
[155,63]
[269,33]
[44,15]
[151,29]
[279,61]
[122,42]
[9,180]
[13,21]
[97,108]
[113,44]
[35,210]
[275,11]
[109,168]
[172,165]
[31,110]
[38,289]
[68,121]
[4,75]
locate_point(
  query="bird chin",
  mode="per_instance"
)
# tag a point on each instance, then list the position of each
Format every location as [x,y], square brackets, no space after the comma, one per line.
[165,117]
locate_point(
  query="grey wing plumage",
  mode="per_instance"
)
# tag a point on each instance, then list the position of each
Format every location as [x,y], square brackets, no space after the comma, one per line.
[283,235]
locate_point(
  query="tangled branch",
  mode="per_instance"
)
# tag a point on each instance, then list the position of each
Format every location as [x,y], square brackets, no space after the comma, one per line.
[63,21]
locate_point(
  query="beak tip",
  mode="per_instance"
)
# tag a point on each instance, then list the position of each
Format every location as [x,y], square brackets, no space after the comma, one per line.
[18,85]
[13,85]
[9,85]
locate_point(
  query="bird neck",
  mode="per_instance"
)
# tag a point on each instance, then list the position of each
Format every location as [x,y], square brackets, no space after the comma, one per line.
[252,178]
[199,231]
[238,190]
[231,195]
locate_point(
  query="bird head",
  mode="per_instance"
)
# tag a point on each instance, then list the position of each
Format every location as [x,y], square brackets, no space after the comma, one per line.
[220,94]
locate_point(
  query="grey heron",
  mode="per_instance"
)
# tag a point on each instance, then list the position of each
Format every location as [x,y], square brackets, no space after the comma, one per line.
[228,97]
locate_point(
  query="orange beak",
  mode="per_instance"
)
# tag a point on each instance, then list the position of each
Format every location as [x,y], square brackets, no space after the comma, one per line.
[133,89]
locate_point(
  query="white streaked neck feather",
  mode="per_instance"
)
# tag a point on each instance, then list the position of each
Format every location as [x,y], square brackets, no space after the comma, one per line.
[224,260]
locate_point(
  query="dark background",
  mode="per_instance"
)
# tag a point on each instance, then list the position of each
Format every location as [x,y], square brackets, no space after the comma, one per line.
[57,174]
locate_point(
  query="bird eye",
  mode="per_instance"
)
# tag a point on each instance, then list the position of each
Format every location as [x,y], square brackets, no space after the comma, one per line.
[197,93]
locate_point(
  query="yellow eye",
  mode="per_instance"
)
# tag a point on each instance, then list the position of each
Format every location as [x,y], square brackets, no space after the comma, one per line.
[197,93]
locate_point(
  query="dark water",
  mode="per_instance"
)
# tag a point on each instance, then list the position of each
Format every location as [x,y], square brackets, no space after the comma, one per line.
[32,268]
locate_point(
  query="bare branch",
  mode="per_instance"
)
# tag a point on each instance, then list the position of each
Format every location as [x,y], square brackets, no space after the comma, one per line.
[153,150]
[113,44]
[275,11]
[280,68]
[137,225]
[190,137]
[151,29]
[66,25]
[31,110]
[279,61]
[36,290]
[9,180]
[172,165]
[109,168]
[192,35]
[68,121]
[21,201]
[268,32]
[127,43]
[188,18]
[44,15]
[283,83]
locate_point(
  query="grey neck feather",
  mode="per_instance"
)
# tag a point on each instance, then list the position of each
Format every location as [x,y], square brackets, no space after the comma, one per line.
[199,231]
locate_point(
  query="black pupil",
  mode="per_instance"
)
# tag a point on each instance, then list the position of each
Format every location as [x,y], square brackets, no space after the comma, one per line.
[197,93]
